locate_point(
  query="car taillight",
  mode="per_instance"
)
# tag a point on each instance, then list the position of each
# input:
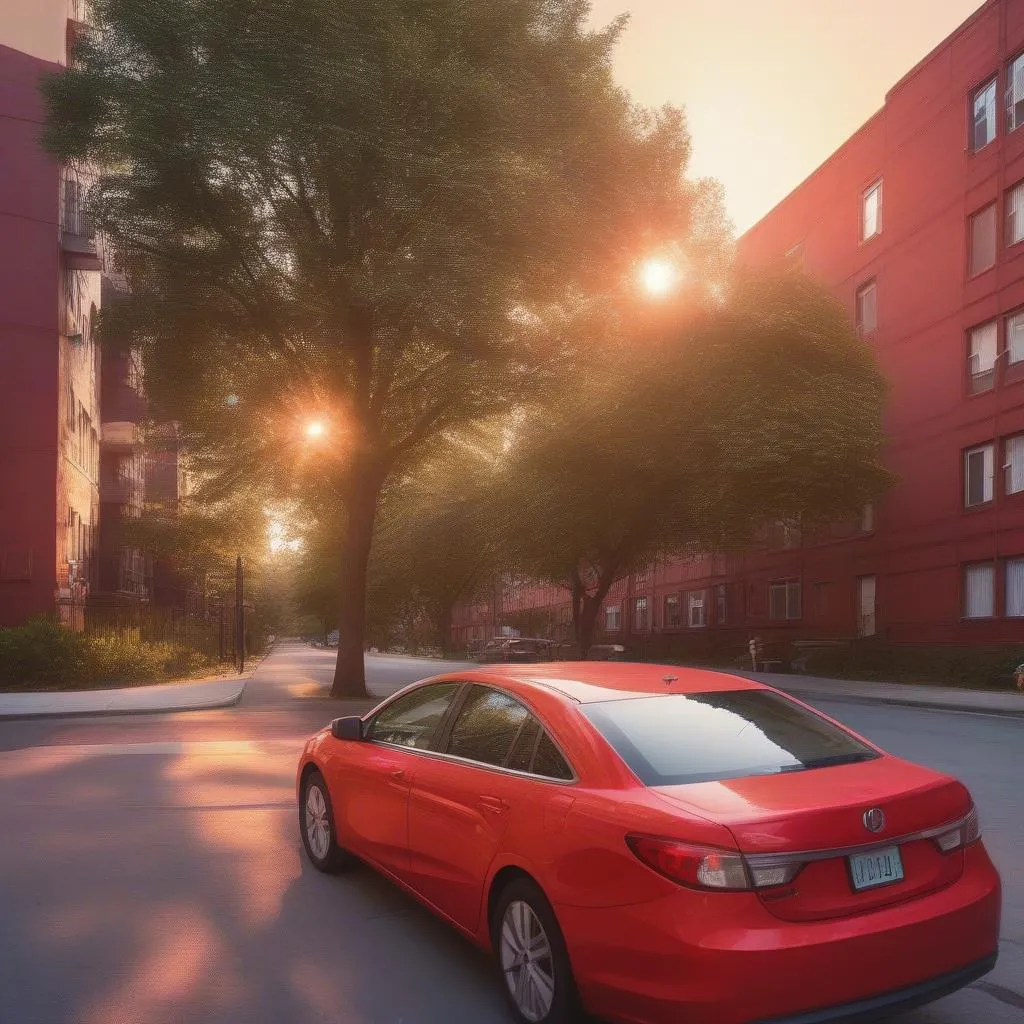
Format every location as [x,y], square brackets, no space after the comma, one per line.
[963,833]
[704,867]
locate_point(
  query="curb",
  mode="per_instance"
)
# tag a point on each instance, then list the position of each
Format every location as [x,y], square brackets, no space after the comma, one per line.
[904,702]
[121,713]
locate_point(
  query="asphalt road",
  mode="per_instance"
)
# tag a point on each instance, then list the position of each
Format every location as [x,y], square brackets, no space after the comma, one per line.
[151,871]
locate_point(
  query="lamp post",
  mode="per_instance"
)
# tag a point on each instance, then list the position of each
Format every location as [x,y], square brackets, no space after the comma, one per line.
[240,614]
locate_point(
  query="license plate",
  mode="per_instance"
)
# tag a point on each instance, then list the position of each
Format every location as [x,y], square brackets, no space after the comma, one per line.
[880,867]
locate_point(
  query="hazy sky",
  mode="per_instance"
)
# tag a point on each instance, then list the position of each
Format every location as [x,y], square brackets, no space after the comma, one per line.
[772,87]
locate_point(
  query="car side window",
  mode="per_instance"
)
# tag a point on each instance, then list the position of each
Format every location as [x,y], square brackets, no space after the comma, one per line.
[413,720]
[486,726]
[547,761]
[521,755]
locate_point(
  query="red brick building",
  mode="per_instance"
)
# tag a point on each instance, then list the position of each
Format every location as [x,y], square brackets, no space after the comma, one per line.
[917,224]
[50,426]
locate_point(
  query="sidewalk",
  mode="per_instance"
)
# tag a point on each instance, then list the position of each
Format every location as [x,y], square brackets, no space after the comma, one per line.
[201,695]
[942,698]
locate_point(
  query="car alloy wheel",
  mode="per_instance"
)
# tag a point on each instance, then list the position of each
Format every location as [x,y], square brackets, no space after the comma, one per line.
[531,956]
[316,825]
[526,961]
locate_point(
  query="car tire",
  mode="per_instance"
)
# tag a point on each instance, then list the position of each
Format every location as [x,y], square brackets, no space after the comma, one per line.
[316,825]
[531,957]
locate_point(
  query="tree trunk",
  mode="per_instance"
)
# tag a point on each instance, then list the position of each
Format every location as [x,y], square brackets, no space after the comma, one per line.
[586,624]
[443,623]
[361,508]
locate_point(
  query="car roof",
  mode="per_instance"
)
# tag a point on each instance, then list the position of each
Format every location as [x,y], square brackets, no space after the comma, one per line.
[588,682]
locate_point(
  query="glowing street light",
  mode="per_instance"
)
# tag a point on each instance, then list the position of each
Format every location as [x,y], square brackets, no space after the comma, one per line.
[659,277]
[315,429]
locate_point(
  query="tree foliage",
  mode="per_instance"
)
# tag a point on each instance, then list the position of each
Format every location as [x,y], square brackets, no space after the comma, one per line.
[764,407]
[371,214]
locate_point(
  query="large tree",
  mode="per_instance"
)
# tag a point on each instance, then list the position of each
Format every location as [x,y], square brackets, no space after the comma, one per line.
[362,213]
[714,419]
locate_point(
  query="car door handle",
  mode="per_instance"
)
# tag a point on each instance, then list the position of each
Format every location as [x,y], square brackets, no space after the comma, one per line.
[398,774]
[494,804]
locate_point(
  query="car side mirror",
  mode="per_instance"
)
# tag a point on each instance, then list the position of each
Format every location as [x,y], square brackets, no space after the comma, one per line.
[350,728]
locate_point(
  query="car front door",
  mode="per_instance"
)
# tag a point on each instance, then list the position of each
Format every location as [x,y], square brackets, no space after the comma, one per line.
[463,800]
[372,779]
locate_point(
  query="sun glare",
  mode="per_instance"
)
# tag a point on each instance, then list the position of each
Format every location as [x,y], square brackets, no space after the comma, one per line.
[659,277]
[315,429]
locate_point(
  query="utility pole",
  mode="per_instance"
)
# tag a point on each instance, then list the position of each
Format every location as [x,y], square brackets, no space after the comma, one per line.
[240,615]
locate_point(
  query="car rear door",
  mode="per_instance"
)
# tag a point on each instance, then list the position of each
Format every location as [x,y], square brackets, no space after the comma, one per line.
[371,780]
[463,800]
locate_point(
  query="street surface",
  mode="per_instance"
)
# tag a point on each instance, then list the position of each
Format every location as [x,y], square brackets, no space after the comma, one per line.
[151,870]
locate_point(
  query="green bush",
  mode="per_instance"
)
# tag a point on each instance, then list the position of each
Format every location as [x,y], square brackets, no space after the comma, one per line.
[41,653]
[45,655]
[978,668]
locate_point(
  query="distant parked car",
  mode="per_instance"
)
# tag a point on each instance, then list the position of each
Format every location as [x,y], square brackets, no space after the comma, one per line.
[659,845]
[517,649]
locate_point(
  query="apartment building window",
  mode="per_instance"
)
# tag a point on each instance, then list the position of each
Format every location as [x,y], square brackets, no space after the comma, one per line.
[70,404]
[1015,588]
[640,613]
[871,212]
[721,604]
[613,617]
[978,475]
[784,600]
[697,609]
[867,307]
[1015,214]
[867,518]
[983,128]
[1015,94]
[673,618]
[979,590]
[1013,464]
[981,357]
[1015,337]
[982,240]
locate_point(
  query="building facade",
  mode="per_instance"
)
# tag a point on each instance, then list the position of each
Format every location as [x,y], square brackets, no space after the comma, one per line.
[49,364]
[917,225]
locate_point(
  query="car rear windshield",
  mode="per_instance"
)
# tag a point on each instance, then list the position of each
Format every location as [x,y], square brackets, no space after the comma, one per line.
[675,739]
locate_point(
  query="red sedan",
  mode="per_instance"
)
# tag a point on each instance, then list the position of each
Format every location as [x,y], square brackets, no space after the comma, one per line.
[659,845]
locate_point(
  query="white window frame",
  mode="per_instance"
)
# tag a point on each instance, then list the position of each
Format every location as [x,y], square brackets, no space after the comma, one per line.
[982,604]
[696,609]
[985,93]
[1015,337]
[1014,221]
[1015,93]
[672,599]
[1013,464]
[871,219]
[987,461]
[641,604]
[863,324]
[982,354]
[613,618]
[793,600]
[972,250]
[1014,588]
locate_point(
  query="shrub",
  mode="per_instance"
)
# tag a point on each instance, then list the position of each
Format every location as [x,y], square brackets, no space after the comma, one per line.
[41,653]
[45,655]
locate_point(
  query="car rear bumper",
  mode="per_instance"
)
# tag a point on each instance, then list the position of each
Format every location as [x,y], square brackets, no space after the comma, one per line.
[723,959]
[900,1001]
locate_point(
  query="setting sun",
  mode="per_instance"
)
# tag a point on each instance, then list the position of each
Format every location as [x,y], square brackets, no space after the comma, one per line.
[315,429]
[658,276]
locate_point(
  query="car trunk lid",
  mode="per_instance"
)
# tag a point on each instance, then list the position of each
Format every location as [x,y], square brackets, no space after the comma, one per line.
[817,822]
